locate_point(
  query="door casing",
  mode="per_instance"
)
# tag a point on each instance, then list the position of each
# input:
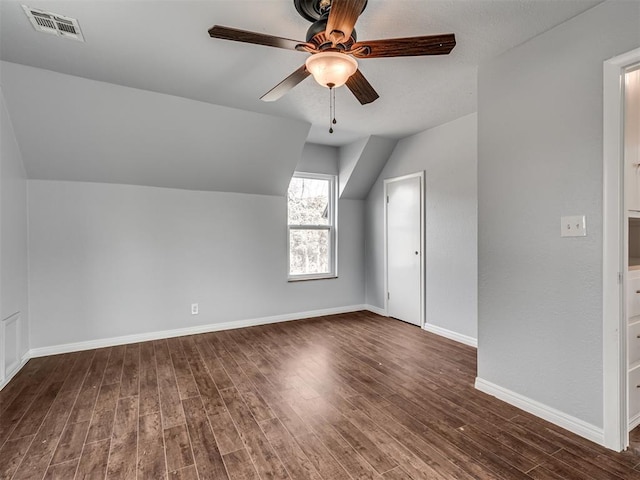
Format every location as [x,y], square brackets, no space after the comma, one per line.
[614,322]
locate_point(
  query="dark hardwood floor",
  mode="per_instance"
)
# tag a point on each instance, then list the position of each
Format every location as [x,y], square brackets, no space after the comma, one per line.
[348,396]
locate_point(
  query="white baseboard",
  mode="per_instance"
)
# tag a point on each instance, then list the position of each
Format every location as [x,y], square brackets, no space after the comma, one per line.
[377,310]
[443,332]
[634,422]
[450,334]
[25,358]
[573,424]
[180,332]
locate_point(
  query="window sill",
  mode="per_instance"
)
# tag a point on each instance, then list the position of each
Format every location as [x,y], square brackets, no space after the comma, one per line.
[305,278]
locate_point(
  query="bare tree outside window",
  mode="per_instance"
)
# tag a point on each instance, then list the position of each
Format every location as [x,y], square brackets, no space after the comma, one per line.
[311,213]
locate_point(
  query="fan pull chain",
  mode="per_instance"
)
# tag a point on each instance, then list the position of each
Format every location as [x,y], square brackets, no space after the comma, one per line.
[332,106]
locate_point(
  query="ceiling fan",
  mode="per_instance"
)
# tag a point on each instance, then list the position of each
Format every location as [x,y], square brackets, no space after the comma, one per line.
[331,40]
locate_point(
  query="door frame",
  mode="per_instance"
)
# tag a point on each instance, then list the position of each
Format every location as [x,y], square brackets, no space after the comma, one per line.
[615,408]
[386,182]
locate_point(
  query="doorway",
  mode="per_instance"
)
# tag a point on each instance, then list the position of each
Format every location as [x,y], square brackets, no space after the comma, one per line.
[404,248]
[616,278]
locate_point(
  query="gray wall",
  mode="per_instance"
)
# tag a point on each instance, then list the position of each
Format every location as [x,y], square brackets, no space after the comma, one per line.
[110,260]
[318,159]
[540,157]
[360,165]
[448,154]
[348,158]
[13,231]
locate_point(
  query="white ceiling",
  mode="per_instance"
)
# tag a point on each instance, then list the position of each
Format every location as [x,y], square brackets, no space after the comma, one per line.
[164,47]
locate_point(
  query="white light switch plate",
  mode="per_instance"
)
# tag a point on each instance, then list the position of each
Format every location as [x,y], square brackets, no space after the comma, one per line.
[573,226]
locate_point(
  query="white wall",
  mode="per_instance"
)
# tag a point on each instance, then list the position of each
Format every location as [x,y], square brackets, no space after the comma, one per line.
[113,260]
[540,157]
[448,155]
[13,245]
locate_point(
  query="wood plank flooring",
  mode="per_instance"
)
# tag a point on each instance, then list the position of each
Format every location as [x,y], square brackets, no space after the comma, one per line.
[354,396]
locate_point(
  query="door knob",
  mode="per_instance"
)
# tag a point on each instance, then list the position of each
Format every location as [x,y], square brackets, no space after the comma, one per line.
[417,253]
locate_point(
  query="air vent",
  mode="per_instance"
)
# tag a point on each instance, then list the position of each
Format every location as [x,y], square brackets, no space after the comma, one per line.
[53,23]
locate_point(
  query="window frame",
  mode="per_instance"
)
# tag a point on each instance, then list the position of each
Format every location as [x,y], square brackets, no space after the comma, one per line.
[331,227]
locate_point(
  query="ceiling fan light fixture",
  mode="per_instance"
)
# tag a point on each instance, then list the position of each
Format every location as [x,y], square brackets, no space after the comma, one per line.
[331,69]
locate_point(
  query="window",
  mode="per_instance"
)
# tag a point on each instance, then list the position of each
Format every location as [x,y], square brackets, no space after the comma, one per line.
[311,203]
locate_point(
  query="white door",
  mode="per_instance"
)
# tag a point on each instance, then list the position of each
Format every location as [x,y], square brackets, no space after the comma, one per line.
[404,248]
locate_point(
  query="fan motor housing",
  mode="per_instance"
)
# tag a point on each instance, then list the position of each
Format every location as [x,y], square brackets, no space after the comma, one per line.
[316,34]
[313,10]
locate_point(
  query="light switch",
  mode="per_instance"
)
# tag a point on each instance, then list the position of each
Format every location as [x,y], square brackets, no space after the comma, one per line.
[573,226]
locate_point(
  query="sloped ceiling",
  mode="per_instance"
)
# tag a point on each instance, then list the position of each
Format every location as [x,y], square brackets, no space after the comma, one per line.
[149,106]
[163,46]
[70,128]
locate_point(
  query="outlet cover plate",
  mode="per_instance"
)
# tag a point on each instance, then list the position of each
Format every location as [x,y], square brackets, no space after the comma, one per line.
[573,226]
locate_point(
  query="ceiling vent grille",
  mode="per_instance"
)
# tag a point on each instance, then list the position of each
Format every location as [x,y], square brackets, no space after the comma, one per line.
[53,23]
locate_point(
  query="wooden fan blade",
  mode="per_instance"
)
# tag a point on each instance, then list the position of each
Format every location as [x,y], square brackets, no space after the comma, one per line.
[405,47]
[236,35]
[342,18]
[285,85]
[361,88]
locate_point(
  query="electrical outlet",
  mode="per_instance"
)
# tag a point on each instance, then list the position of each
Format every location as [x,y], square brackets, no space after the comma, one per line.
[194,309]
[573,226]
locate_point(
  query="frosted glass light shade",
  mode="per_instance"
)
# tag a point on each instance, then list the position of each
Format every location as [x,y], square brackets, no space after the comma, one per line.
[331,68]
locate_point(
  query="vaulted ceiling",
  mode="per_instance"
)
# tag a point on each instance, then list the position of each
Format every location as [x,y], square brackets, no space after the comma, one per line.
[163,47]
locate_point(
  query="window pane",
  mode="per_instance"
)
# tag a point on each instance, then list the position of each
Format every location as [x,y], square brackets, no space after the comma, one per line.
[308,201]
[308,252]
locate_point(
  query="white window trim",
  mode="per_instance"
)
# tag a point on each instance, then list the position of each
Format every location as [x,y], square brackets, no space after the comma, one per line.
[332,227]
